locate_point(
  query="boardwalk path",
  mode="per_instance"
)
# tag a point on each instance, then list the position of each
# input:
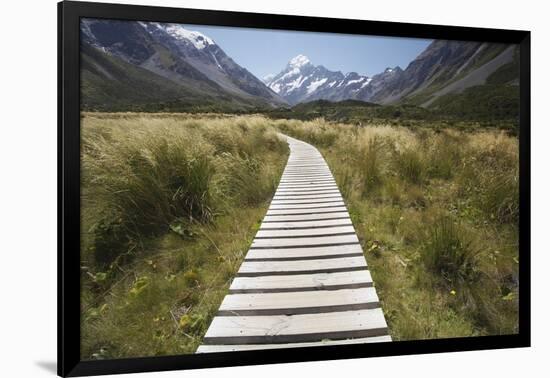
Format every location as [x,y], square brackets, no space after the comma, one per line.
[304,281]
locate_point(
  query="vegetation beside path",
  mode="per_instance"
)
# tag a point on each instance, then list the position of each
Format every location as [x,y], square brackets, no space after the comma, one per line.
[436,210]
[170,204]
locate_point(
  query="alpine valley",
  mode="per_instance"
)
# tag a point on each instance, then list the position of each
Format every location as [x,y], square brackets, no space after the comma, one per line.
[147,66]
[155,67]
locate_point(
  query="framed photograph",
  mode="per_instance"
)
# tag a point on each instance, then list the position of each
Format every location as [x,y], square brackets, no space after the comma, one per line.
[235,183]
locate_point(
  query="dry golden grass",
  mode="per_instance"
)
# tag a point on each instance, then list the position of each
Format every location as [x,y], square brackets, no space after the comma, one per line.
[175,200]
[436,211]
[170,204]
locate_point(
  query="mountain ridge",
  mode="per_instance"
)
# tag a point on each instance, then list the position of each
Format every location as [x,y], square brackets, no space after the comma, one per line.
[444,67]
[184,57]
[175,68]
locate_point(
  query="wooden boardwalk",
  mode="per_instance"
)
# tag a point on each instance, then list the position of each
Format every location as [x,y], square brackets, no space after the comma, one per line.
[304,281]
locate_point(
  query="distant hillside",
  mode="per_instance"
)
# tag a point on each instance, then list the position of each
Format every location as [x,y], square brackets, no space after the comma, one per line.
[471,80]
[151,66]
[451,67]
[352,111]
[468,109]
[111,84]
[497,97]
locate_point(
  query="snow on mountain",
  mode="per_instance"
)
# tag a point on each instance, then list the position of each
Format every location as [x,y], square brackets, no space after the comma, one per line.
[181,33]
[316,84]
[356,81]
[179,54]
[302,81]
[200,41]
[299,61]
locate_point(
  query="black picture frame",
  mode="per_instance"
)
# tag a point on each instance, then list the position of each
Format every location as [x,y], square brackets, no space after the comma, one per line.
[69,14]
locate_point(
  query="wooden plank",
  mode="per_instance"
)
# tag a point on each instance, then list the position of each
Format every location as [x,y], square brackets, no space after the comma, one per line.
[316,210]
[294,201]
[244,347]
[301,175]
[290,188]
[305,224]
[304,253]
[324,169]
[293,303]
[300,201]
[317,281]
[302,265]
[306,197]
[304,232]
[301,180]
[290,182]
[297,192]
[294,218]
[302,184]
[305,178]
[347,238]
[306,166]
[303,172]
[302,168]
[307,185]
[306,191]
[299,326]
[316,205]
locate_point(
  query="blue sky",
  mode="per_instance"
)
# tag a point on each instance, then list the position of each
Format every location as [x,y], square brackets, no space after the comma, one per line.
[265,52]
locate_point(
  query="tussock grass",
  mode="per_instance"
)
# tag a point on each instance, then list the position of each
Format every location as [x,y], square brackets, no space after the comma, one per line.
[436,211]
[449,255]
[370,166]
[409,165]
[170,204]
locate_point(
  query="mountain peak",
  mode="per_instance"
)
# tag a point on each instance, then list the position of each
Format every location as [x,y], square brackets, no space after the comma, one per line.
[199,40]
[299,61]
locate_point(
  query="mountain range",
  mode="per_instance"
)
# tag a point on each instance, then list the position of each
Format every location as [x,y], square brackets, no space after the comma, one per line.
[445,67]
[191,67]
[157,66]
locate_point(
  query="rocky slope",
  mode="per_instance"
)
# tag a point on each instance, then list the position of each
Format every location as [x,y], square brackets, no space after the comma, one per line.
[444,67]
[184,57]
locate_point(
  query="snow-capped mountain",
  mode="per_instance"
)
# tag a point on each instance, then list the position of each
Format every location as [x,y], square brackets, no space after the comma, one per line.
[179,54]
[301,81]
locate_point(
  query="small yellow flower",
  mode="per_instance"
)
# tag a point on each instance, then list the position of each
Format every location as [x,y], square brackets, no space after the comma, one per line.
[453,292]
[185,320]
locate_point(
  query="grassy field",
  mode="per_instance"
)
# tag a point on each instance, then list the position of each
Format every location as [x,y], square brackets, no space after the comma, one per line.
[170,204]
[436,211]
